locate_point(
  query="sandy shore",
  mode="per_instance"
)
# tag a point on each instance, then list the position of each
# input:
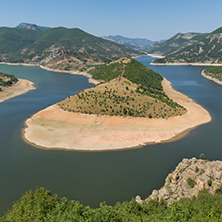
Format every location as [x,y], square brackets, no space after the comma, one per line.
[211,78]
[156,56]
[21,87]
[184,64]
[53,128]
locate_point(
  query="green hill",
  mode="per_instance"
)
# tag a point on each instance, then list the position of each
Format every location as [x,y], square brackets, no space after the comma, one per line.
[7,80]
[58,48]
[207,50]
[175,44]
[129,89]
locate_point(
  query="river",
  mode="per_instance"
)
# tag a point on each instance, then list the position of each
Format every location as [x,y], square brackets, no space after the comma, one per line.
[93,177]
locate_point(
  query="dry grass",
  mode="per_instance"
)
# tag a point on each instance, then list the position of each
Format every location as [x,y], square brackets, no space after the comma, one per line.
[118,97]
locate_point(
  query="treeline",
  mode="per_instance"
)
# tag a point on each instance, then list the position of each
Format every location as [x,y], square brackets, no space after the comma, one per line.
[41,205]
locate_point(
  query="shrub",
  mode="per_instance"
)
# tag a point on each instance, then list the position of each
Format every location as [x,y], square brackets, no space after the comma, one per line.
[191,182]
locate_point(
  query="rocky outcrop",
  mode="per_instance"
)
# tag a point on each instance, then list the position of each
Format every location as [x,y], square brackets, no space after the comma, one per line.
[189,177]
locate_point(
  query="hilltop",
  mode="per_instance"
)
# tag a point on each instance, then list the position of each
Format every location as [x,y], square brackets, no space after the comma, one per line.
[130,89]
[31,26]
[175,44]
[58,48]
[207,50]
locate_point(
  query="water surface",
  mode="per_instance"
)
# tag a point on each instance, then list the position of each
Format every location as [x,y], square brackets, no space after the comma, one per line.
[98,176]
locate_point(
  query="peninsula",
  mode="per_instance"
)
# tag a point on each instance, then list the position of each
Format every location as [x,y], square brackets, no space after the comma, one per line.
[133,106]
[10,86]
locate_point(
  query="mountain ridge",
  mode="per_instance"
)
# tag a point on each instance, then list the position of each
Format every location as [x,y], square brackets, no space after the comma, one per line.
[59,48]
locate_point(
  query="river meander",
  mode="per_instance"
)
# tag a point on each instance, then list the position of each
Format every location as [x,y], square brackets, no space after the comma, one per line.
[93,177]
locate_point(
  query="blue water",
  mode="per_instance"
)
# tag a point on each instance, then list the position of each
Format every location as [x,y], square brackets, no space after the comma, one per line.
[98,176]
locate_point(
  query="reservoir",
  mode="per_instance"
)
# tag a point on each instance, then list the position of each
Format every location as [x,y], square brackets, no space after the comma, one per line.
[93,177]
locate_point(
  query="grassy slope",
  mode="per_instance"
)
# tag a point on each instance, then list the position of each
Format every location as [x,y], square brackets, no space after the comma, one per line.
[131,89]
[41,205]
[215,72]
[206,50]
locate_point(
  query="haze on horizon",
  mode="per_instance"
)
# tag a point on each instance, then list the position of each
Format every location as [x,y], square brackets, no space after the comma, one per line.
[154,20]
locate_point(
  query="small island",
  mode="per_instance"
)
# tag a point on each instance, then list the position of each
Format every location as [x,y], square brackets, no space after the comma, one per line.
[10,86]
[132,106]
[214,74]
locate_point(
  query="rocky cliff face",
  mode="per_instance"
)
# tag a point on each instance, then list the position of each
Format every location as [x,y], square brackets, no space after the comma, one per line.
[189,177]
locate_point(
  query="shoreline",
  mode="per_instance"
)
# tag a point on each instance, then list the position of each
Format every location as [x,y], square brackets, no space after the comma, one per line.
[89,76]
[211,78]
[56,129]
[21,87]
[184,64]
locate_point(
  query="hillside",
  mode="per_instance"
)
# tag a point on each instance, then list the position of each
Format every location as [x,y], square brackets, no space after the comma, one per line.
[7,80]
[58,48]
[206,50]
[175,44]
[135,43]
[130,89]
[189,178]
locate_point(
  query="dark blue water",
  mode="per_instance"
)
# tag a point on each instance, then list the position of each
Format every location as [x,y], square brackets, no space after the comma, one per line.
[101,176]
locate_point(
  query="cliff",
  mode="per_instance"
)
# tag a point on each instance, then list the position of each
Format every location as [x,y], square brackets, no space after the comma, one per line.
[190,177]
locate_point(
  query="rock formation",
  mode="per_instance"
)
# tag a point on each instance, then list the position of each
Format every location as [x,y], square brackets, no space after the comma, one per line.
[189,177]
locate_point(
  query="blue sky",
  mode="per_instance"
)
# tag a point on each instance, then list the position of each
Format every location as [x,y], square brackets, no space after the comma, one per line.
[155,20]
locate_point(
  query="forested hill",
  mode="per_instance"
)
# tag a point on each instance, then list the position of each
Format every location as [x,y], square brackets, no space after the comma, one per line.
[129,89]
[175,44]
[58,48]
[207,50]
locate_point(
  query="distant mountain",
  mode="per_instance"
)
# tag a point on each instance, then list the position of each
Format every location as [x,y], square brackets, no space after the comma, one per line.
[58,48]
[136,43]
[31,26]
[175,44]
[207,49]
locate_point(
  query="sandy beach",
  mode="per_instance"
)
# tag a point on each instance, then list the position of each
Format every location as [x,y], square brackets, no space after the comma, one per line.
[21,87]
[184,64]
[211,78]
[53,128]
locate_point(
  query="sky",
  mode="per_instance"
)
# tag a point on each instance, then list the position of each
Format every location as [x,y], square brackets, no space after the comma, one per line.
[154,20]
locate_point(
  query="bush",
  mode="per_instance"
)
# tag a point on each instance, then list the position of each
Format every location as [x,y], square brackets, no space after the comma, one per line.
[191,182]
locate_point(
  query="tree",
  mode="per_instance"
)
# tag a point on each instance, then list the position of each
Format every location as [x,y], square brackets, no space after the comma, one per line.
[202,156]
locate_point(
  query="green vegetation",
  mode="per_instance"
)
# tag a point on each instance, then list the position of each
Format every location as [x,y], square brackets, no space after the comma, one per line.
[58,48]
[41,205]
[191,182]
[131,89]
[208,49]
[202,156]
[214,72]
[209,182]
[7,80]
[175,44]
